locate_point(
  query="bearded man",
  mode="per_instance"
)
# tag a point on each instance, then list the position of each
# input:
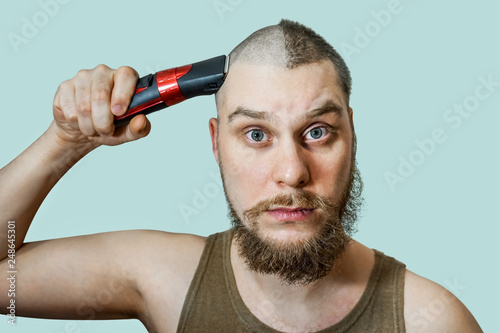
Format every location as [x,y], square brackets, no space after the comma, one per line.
[285,143]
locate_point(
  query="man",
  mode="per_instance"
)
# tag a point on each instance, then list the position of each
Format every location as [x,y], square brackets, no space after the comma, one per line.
[285,143]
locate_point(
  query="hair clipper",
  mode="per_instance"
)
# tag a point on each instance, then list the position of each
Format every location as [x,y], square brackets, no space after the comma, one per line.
[171,86]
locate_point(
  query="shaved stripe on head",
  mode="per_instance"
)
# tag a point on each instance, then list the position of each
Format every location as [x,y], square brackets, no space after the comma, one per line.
[289,44]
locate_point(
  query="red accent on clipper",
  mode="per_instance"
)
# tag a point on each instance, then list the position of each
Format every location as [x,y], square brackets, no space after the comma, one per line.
[168,85]
[138,90]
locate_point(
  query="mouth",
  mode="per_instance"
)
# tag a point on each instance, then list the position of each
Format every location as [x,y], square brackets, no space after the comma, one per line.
[288,214]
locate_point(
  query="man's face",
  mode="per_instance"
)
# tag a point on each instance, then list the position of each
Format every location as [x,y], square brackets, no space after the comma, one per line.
[283,133]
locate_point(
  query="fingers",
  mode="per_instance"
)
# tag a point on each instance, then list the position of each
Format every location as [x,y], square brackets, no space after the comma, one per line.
[125,79]
[101,120]
[88,103]
[82,85]
[64,105]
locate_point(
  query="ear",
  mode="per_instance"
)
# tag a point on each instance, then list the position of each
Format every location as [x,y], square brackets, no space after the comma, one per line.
[350,113]
[212,126]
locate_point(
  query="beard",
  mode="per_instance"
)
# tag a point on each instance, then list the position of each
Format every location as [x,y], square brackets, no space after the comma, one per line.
[306,261]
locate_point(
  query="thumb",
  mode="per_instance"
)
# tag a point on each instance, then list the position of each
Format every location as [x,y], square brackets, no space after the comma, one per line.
[138,127]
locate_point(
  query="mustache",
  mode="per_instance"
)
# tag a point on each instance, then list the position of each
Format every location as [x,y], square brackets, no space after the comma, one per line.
[302,199]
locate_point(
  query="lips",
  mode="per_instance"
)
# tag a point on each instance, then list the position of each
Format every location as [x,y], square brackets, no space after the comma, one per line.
[286,214]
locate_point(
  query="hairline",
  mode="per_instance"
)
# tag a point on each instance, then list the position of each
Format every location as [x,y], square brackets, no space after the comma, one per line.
[221,93]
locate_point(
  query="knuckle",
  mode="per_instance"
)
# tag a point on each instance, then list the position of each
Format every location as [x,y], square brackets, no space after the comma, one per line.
[100,95]
[84,107]
[127,72]
[59,96]
[103,129]
[102,68]
[82,74]
[72,117]
[65,85]
[64,102]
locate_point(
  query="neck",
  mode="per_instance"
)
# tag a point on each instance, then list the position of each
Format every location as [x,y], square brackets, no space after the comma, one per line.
[268,297]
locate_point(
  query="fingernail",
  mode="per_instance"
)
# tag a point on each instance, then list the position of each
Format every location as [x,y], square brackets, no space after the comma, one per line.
[117,110]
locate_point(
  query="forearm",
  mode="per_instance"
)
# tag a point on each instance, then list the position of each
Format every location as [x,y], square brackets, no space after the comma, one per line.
[26,181]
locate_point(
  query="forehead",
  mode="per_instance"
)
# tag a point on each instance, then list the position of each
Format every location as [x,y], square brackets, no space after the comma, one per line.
[278,90]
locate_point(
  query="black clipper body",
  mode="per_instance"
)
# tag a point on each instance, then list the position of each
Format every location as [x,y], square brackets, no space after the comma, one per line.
[168,87]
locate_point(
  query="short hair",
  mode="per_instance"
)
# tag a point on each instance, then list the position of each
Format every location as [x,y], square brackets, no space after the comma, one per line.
[290,44]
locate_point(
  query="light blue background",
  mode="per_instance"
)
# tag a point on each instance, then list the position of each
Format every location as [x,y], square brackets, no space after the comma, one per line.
[442,221]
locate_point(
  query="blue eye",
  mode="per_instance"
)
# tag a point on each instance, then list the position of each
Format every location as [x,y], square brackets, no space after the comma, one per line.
[256,135]
[316,133]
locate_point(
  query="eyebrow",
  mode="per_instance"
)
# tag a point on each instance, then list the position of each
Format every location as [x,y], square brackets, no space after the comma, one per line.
[244,112]
[329,107]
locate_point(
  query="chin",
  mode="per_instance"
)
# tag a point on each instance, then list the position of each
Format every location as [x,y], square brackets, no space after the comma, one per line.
[289,233]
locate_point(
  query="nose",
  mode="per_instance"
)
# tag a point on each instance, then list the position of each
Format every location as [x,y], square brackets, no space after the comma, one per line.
[290,165]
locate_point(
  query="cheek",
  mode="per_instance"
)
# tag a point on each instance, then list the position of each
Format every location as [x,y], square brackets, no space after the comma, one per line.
[245,175]
[330,171]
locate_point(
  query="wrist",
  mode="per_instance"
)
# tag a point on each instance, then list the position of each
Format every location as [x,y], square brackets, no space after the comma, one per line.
[63,154]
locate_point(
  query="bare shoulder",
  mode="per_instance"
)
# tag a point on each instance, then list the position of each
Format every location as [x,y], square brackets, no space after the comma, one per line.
[166,252]
[429,307]
[155,254]
[166,264]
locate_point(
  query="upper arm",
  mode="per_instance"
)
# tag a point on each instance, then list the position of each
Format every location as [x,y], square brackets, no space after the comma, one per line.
[86,277]
[429,307]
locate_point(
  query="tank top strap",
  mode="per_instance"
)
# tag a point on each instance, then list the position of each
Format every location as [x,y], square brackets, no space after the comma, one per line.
[380,308]
[213,303]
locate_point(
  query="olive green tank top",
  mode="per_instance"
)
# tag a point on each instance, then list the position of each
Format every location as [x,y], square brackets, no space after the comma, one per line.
[214,305]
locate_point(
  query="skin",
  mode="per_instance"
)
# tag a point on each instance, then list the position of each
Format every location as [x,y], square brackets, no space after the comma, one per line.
[288,158]
[83,109]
